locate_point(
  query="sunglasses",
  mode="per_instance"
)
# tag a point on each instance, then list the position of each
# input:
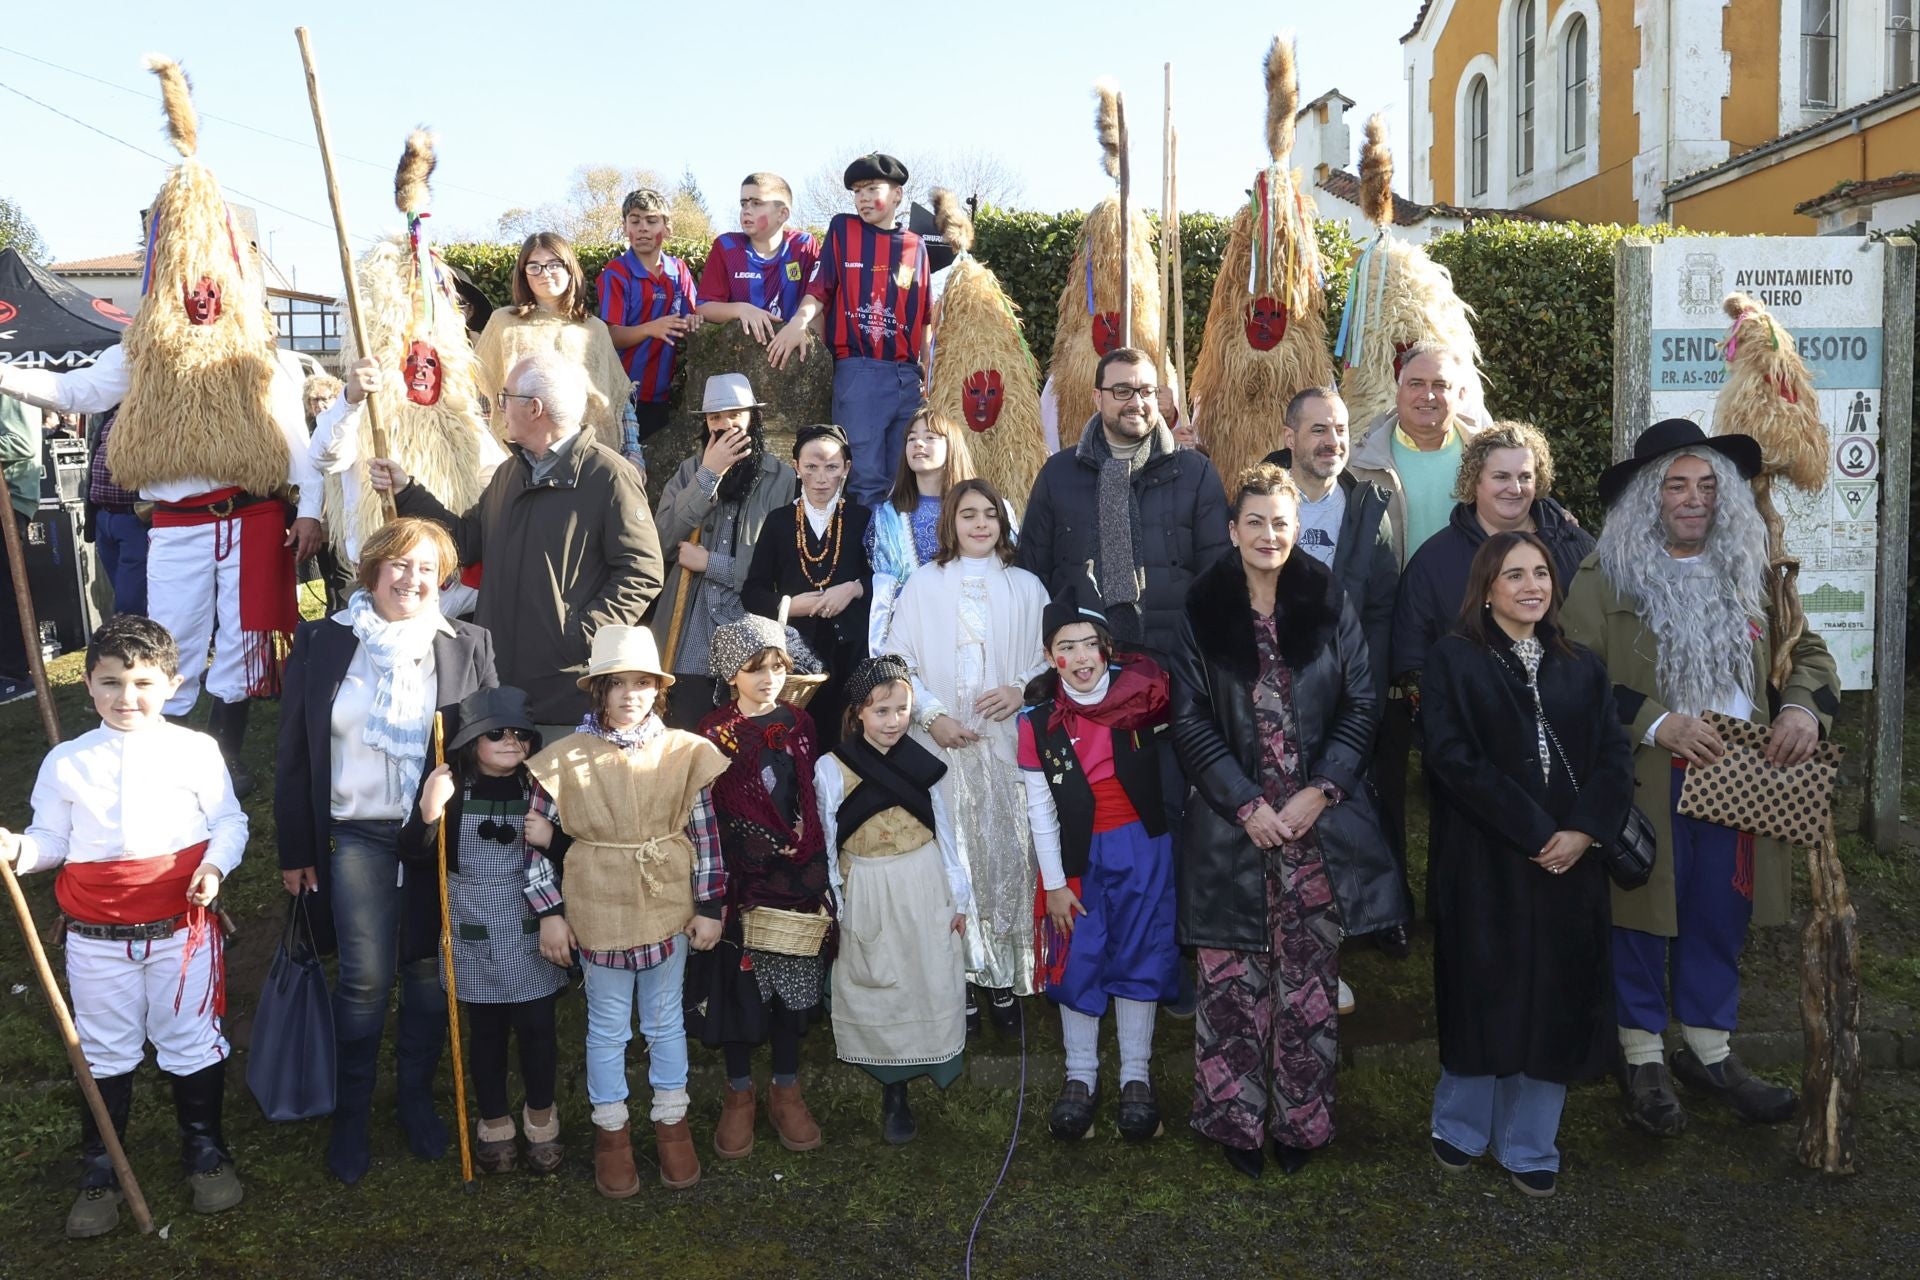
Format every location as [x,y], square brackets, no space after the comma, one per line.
[500,735]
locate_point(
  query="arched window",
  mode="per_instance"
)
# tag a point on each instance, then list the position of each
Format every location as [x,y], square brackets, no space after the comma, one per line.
[1477,138]
[1523,29]
[1573,74]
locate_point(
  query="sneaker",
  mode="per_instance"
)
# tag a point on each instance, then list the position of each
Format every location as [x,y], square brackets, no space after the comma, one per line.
[1452,1159]
[95,1213]
[1751,1098]
[1347,1004]
[12,690]
[1652,1104]
[217,1190]
[1072,1115]
[1139,1112]
[1537,1183]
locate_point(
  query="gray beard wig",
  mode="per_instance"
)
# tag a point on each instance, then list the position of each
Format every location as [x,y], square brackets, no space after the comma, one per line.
[1699,609]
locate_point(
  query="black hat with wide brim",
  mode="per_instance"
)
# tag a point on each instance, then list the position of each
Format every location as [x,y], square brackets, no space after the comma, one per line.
[485,710]
[1671,436]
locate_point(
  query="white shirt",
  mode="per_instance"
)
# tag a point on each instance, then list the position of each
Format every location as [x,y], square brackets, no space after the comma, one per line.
[103,384]
[335,449]
[110,795]
[827,795]
[1043,815]
[1320,524]
[818,517]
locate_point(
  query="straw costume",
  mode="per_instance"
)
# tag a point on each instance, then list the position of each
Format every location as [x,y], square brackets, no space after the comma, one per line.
[983,373]
[1089,321]
[429,394]
[1266,326]
[1396,296]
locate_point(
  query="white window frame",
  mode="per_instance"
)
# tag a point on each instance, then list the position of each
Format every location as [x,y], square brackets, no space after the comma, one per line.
[1526,85]
[1476,137]
[1903,28]
[1817,47]
[1575,38]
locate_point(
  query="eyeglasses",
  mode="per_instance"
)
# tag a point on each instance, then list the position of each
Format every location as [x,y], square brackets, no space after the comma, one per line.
[500,735]
[514,395]
[1123,392]
[546,268]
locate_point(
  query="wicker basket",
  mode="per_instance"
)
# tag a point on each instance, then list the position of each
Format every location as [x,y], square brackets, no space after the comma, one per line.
[799,691]
[791,933]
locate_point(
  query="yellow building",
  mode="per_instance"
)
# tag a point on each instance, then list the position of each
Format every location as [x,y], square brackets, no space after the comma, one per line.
[1743,116]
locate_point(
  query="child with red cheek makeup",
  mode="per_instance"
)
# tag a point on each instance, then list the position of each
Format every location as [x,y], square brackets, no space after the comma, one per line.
[757,275]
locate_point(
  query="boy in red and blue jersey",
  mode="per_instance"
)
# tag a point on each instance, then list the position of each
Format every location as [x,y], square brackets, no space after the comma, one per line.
[758,274]
[648,299]
[872,283]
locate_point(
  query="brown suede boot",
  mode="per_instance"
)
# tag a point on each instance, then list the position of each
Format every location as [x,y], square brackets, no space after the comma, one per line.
[734,1137]
[613,1171]
[791,1119]
[679,1162]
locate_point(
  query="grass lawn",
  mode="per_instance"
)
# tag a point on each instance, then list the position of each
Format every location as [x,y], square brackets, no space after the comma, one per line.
[1724,1200]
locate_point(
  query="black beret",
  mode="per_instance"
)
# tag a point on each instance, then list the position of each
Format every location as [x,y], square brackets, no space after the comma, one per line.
[876,166]
[820,431]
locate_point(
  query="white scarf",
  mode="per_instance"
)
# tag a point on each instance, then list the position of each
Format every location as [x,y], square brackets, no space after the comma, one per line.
[397,722]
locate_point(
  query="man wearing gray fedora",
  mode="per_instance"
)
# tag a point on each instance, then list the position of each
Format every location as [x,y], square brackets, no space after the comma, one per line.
[708,520]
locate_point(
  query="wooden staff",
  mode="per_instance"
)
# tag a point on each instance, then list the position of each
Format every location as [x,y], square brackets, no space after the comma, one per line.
[70,1036]
[347,272]
[30,627]
[1126,228]
[680,606]
[1166,212]
[1179,282]
[453,992]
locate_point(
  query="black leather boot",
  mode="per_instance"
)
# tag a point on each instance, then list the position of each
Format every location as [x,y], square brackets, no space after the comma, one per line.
[1652,1104]
[416,1055]
[1751,1098]
[896,1118]
[227,722]
[97,1210]
[348,1153]
[198,1101]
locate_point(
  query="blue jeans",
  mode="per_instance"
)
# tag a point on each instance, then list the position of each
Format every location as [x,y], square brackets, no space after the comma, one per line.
[364,885]
[612,995]
[120,540]
[873,400]
[1515,1116]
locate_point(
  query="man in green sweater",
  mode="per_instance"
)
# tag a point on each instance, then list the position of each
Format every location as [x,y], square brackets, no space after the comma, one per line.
[20,460]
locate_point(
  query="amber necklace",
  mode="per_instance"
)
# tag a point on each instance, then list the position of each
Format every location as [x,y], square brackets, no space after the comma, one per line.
[829,557]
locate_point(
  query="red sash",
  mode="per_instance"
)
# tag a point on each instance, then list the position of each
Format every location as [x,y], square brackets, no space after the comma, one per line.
[268,610]
[128,890]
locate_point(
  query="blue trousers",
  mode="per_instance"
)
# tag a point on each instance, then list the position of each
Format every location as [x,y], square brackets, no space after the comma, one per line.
[120,540]
[873,400]
[1124,945]
[1516,1117]
[1700,965]
[364,883]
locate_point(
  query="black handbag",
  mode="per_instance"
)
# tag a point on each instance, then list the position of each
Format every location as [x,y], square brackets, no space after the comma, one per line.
[1628,857]
[290,1060]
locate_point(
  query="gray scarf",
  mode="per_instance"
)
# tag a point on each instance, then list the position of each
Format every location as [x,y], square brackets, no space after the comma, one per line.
[1117,569]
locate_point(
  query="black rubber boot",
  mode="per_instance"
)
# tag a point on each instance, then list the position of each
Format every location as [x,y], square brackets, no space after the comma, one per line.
[355,1062]
[227,722]
[416,1055]
[896,1118]
[198,1101]
[1004,1011]
[97,1210]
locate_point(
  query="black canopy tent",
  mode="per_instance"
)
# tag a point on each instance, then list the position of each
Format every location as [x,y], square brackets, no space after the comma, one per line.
[46,323]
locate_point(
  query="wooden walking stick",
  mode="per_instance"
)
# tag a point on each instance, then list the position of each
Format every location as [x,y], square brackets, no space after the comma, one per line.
[1179,320]
[680,607]
[30,628]
[453,991]
[1126,228]
[70,1036]
[1166,209]
[347,272]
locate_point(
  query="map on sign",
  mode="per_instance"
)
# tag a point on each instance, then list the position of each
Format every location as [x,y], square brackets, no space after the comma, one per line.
[1825,292]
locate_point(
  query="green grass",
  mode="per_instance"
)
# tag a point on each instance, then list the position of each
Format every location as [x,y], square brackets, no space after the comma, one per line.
[1726,1199]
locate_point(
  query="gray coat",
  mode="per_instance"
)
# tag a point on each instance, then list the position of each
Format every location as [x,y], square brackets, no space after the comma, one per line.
[728,531]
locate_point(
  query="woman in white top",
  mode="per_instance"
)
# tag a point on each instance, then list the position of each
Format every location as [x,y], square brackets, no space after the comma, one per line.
[968,625]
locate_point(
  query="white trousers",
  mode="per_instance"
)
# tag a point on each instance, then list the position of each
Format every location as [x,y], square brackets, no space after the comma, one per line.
[123,997]
[193,590]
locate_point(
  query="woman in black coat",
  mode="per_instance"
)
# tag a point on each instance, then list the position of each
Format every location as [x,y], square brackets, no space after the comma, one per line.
[1528,767]
[1273,713]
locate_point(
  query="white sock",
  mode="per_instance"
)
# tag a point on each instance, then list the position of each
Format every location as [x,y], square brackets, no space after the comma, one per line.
[609,1115]
[1709,1045]
[1641,1047]
[670,1106]
[1135,1024]
[1082,1037]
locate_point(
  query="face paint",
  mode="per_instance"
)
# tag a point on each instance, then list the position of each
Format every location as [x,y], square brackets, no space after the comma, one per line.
[1106,331]
[1060,663]
[980,398]
[422,370]
[203,301]
[1267,325]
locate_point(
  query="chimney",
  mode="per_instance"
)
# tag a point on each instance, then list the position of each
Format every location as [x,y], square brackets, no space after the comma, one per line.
[1322,140]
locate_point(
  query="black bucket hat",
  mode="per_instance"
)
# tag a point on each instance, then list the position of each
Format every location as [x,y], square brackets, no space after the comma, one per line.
[485,710]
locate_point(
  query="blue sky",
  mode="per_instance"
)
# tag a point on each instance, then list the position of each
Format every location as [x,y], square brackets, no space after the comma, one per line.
[518,104]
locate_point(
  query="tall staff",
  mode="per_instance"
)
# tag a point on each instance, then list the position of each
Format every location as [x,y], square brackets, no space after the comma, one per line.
[446,960]
[347,271]
[1126,227]
[1179,318]
[1166,206]
[29,626]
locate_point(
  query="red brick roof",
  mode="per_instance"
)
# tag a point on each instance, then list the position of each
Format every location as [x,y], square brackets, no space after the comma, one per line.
[112,264]
[1845,193]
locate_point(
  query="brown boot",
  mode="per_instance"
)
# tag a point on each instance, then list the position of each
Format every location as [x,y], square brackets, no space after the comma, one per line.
[791,1119]
[734,1138]
[679,1162]
[613,1171]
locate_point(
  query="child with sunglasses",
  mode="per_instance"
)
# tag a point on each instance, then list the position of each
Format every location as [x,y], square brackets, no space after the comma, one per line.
[481,792]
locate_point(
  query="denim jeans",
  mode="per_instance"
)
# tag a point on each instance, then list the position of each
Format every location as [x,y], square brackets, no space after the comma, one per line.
[120,540]
[364,883]
[873,400]
[1516,1117]
[612,995]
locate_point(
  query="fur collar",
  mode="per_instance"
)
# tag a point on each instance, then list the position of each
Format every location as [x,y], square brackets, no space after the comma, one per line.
[1218,605]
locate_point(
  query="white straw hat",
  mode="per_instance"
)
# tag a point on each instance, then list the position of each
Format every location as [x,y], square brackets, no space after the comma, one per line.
[618,648]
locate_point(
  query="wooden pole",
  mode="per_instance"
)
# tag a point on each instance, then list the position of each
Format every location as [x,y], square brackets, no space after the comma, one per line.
[1179,278]
[446,961]
[680,599]
[347,273]
[70,1036]
[1166,216]
[1886,709]
[1829,1015]
[30,626]
[1126,228]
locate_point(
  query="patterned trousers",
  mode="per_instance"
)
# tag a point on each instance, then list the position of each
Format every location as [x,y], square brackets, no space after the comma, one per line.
[1266,1030]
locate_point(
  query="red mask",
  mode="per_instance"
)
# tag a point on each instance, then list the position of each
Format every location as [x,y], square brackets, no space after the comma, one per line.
[422,371]
[1267,325]
[203,302]
[1400,350]
[1106,331]
[980,398]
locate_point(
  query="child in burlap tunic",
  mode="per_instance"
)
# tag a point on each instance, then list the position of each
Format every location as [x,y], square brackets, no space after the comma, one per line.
[481,791]
[624,802]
